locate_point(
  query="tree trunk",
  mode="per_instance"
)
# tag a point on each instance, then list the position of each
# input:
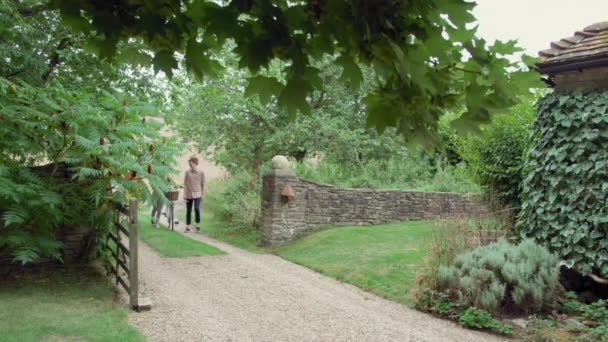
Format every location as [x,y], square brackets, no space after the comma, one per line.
[255,166]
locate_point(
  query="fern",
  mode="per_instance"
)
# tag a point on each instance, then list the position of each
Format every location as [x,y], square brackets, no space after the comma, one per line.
[14,215]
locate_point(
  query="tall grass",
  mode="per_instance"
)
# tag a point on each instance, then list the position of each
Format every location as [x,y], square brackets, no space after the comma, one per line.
[234,202]
[452,237]
[395,173]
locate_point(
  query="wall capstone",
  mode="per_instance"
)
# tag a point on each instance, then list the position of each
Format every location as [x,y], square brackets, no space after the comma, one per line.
[279,163]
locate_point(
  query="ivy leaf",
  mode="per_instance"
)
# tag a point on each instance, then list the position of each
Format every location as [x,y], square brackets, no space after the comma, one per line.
[164,61]
[264,87]
[351,71]
[293,97]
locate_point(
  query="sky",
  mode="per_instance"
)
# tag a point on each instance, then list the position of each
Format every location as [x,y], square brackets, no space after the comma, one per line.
[535,23]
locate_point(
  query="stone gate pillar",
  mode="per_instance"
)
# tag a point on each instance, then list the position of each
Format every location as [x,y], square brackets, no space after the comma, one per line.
[283,217]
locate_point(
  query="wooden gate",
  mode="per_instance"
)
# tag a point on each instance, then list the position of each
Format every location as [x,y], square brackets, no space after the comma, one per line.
[121,243]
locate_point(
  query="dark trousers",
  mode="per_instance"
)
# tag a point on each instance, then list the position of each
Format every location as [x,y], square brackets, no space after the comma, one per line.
[197,210]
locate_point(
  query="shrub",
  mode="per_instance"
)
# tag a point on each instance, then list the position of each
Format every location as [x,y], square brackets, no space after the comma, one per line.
[496,155]
[564,194]
[63,154]
[236,203]
[473,318]
[502,276]
[596,314]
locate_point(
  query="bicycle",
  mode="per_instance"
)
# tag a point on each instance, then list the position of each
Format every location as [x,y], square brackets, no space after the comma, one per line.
[172,196]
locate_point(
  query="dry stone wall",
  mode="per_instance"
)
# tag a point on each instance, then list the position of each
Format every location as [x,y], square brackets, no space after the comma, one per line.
[316,205]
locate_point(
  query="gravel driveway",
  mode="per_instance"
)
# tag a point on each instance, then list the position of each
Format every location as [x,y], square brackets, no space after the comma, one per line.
[243,296]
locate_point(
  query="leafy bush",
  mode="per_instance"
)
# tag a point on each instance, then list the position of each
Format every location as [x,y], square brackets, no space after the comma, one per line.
[564,194]
[496,155]
[449,239]
[236,204]
[596,314]
[502,276]
[473,318]
[62,158]
[571,305]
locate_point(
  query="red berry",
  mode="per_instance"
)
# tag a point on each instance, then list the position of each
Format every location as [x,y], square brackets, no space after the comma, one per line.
[102,141]
[149,168]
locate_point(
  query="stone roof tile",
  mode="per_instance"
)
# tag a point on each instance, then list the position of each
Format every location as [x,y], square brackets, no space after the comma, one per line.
[590,43]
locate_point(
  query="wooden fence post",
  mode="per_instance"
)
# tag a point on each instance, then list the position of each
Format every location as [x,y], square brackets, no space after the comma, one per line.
[133,264]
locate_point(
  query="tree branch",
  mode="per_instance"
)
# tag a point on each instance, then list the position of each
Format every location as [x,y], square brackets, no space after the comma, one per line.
[55,60]
[13,74]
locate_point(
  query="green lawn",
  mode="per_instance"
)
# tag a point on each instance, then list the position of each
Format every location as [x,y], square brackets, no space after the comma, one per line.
[383,259]
[171,243]
[62,306]
[216,229]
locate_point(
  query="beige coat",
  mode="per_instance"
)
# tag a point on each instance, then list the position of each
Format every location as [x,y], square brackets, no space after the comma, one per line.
[194,184]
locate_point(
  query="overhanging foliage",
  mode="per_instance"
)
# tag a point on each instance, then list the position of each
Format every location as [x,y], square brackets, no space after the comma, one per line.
[424,54]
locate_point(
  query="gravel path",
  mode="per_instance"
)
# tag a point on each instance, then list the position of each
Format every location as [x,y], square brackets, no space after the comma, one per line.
[243,296]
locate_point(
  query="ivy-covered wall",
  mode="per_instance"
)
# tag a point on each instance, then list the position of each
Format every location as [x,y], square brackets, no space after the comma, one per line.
[566,188]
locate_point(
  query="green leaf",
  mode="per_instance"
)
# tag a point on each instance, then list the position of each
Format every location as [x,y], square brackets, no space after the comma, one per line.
[505,48]
[459,11]
[134,56]
[264,87]
[293,97]
[351,71]
[199,63]
[164,61]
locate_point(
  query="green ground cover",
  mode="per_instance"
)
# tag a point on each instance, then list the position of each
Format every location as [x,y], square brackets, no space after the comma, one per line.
[382,259]
[61,305]
[213,227]
[171,243]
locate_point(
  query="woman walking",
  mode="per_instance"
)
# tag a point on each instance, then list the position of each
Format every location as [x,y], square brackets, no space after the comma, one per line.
[194,187]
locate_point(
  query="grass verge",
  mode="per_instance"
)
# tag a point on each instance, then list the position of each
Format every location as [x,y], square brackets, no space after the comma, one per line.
[382,259]
[213,227]
[62,306]
[170,243]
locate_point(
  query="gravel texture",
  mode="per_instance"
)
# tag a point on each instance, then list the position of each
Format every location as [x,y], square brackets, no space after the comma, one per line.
[244,296]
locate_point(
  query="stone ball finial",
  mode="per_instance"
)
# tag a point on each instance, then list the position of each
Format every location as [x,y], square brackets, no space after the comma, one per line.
[280,163]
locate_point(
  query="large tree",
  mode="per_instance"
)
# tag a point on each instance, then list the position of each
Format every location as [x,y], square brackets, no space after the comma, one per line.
[240,133]
[425,53]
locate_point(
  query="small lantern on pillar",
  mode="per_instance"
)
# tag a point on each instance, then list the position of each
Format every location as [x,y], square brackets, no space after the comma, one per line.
[287,193]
